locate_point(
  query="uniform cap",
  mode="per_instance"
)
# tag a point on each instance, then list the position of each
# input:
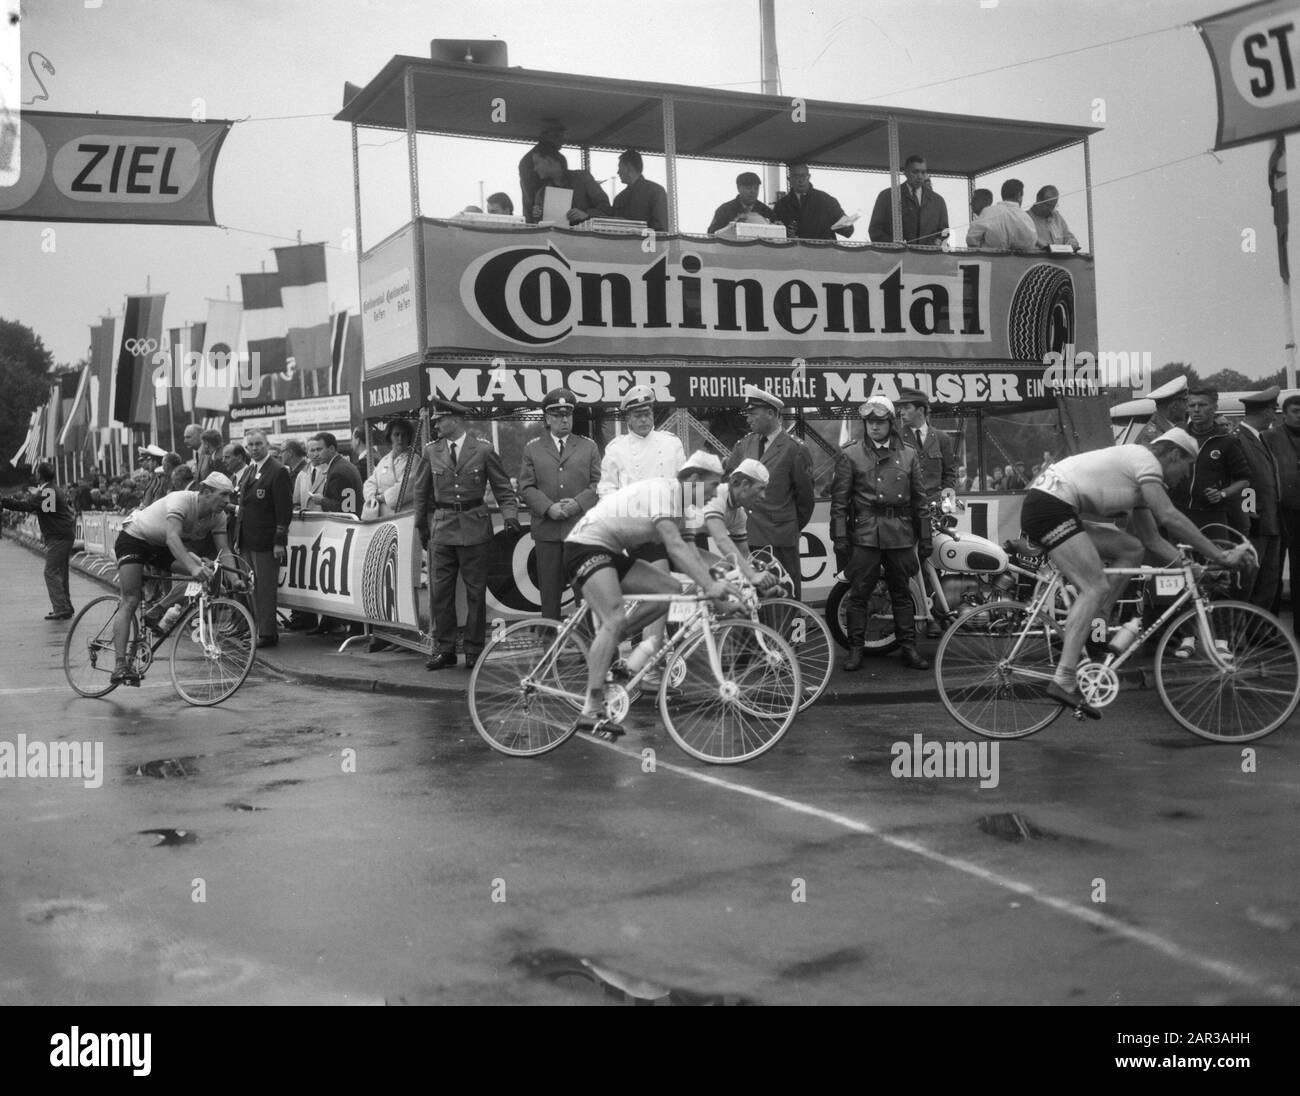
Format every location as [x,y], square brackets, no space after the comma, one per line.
[559,399]
[1267,398]
[913,395]
[438,408]
[877,407]
[152,451]
[1176,387]
[755,470]
[220,482]
[640,396]
[758,397]
[1182,439]
[701,461]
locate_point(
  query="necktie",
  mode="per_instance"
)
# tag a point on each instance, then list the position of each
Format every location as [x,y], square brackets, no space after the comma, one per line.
[560,442]
[452,448]
[762,446]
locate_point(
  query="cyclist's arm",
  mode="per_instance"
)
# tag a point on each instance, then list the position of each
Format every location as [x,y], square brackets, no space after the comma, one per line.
[687,560]
[224,552]
[716,527]
[183,555]
[1163,512]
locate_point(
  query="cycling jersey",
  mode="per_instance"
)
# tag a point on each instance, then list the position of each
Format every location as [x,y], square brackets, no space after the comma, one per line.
[149,524]
[626,519]
[1104,483]
[735,518]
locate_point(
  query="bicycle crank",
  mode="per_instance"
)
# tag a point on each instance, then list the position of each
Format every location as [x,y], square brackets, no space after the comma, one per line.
[1098,684]
[618,702]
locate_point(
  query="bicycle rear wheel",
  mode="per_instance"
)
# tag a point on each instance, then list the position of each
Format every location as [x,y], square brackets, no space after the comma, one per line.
[1253,695]
[88,656]
[524,720]
[809,636]
[210,662]
[745,713]
[981,689]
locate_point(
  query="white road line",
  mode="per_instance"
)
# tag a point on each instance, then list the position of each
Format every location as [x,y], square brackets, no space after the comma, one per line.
[67,690]
[1229,972]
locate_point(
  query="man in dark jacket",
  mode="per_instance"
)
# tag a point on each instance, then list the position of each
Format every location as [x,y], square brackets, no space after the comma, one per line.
[1220,474]
[744,204]
[1260,502]
[589,198]
[925,213]
[878,519]
[58,529]
[1284,441]
[265,510]
[809,214]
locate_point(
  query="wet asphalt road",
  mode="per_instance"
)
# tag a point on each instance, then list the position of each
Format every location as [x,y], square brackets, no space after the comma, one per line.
[440,872]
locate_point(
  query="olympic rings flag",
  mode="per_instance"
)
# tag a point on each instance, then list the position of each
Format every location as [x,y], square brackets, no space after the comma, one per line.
[1255,51]
[114,168]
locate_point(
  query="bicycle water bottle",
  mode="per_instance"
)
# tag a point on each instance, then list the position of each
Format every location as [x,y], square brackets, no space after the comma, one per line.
[641,654]
[170,618]
[1123,639]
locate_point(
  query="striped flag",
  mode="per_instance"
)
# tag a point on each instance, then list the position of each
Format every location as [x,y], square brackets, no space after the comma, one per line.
[1281,205]
[221,338]
[265,337]
[305,297]
[52,422]
[142,337]
[76,413]
[103,341]
[346,364]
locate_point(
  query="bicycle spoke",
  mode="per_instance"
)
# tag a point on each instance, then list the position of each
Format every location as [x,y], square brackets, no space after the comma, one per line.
[808,636]
[213,652]
[88,655]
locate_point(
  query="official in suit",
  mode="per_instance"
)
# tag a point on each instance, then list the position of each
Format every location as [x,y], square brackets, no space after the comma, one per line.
[265,510]
[776,521]
[1263,509]
[557,480]
[1284,441]
[456,527]
[336,489]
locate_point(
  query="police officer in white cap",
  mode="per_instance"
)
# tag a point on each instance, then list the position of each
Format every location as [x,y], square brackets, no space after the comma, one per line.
[777,520]
[643,452]
[878,518]
[1171,410]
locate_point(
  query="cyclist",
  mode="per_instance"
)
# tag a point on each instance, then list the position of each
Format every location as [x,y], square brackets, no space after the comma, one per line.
[155,535]
[1078,494]
[600,567]
[726,518]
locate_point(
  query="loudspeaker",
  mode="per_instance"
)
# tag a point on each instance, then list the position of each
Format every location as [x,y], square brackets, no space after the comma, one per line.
[489,51]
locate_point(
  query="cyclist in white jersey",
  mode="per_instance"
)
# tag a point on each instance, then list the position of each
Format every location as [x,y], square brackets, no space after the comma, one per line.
[599,566]
[726,518]
[1076,495]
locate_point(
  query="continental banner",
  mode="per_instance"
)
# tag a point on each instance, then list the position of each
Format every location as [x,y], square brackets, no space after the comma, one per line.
[561,293]
[114,168]
[1255,53]
[339,566]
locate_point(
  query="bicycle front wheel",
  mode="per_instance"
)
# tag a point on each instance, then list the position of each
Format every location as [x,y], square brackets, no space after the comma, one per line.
[215,647]
[88,656]
[742,711]
[524,692]
[983,688]
[809,636]
[1248,687]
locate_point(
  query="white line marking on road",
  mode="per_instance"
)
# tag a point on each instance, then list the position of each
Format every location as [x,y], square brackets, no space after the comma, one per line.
[66,691]
[1229,972]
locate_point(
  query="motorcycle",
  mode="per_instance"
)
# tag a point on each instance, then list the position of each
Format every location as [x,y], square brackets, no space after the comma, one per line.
[962,571]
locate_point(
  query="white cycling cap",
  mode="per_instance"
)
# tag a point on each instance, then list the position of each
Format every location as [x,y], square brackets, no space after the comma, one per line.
[219,482]
[700,461]
[755,470]
[1182,439]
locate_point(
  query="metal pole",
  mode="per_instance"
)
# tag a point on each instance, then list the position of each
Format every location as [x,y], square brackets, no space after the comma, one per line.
[356,190]
[413,164]
[770,68]
[670,160]
[895,197]
[1087,190]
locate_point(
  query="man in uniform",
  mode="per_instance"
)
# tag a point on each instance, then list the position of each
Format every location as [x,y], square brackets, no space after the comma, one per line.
[451,514]
[643,452]
[1262,502]
[1171,410]
[934,448]
[878,517]
[557,479]
[1284,441]
[776,521]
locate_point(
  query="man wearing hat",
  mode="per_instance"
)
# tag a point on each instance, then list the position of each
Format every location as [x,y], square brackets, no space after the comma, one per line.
[557,479]
[151,458]
[776,521]
[1171,410]
[643,452]
[878,519]
[1284,441]
[937,453]
[726,518]
[1261,502]
[451,514]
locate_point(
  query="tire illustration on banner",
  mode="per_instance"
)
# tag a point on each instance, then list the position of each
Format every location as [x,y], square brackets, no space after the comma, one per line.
[379,574]
[1041,319]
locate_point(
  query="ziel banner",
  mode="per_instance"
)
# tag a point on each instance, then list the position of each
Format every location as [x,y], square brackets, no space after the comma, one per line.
[114,168]
[563,293]
[1255,51]
[351,570]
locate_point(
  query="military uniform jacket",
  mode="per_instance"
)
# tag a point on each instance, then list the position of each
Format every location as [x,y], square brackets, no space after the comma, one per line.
[1265,521]
[938,458]
[779,517]
[883,496]
[544,479]
[265,508]
[1155,426]
[438,481]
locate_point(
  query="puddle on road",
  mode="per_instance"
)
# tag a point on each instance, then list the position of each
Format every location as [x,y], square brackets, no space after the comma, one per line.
[243,807]
[278,784]
[171,838]
[579,975]
[823,964]
[1182,815]
[170,768]
[1013,827]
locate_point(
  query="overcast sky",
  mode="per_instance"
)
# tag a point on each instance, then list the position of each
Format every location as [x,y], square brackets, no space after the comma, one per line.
[1172,276]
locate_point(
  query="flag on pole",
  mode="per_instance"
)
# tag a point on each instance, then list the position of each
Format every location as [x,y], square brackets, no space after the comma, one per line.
[218,373]
[142,337]
[346,363]
[194,335]
[103,341]
[53,414]
[304,295]
[76,417]
[265,337]
[1281,206]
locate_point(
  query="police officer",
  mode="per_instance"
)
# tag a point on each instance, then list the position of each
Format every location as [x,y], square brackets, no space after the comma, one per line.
[1171,410]
[878,518]
[452,515]
[557,479]
[643,452]
[937,453]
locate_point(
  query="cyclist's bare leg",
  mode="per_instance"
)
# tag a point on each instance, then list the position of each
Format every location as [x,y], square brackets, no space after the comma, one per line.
[1080,562]
[1117,549]
[604,593]
[176,590]
[129,578]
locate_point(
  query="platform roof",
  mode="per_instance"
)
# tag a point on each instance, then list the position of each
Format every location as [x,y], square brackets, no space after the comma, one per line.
[468,100]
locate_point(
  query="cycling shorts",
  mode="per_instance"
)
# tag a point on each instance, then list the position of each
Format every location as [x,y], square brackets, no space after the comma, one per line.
[581,561]
[1048,520]
[129,549]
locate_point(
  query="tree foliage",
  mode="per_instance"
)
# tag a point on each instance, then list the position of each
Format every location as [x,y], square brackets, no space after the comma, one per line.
[24,363]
